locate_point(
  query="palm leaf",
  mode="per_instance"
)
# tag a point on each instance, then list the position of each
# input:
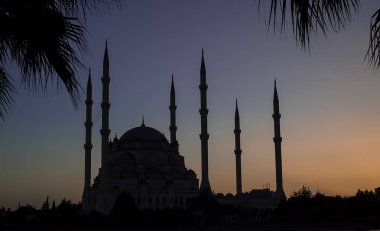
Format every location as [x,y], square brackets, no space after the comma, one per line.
[311,17]
[46,39]
[7,92]
[83,7]
[42,45]
[373,52]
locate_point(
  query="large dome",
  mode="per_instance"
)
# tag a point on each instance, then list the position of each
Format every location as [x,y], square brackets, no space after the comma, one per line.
[143,134]
[143,138]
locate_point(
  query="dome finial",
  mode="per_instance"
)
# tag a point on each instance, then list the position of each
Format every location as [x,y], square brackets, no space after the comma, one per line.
[143,124]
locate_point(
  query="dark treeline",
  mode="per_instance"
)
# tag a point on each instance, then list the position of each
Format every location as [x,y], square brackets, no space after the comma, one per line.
[302,208]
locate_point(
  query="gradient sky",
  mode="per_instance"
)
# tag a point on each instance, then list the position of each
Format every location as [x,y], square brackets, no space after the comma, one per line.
[329,101]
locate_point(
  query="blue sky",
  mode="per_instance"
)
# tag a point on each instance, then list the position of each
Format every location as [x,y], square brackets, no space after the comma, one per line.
[329,100]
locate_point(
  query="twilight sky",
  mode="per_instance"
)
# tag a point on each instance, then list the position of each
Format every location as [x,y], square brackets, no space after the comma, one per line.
[329,101]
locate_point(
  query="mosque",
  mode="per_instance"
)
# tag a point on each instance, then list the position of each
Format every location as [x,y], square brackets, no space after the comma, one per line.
[144,164]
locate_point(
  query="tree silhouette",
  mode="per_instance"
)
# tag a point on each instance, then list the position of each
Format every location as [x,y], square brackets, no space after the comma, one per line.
[45,39]
[311,17]
[302,193]
[46,204]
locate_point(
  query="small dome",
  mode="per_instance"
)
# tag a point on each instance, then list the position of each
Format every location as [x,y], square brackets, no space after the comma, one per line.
[190,174]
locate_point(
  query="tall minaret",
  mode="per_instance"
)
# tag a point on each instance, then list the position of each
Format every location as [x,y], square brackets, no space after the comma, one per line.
[173,127]
[205,184]
[105,131]
[237,132]
[277,139]
[88,145]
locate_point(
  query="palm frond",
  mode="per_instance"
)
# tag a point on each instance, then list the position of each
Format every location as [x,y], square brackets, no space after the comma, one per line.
[7,92]
[44,43]
[311,17]
[46,39]
[373,52]
[75,8]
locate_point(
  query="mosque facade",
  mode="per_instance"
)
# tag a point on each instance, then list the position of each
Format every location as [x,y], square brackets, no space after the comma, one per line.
[147,166]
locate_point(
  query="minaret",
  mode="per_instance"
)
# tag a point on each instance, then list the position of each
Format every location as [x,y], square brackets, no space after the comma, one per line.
[88,145]
[277,139]
[173,127]
[237,132]
[105,131]
[205,184]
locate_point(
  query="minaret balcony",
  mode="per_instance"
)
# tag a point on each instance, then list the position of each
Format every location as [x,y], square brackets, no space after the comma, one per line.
[203,111]
[173,128]
[105,105]
[238,152]
[87,146]
[277,139]
[276,116]
[204,136]
[203,87]
[237,131]
[105,132]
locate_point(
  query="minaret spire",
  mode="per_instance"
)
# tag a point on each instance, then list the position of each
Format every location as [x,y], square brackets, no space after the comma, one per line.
[238,151]
[203,70]
[105,131]
[88,145]
[173,127]
[277,139]
[205,184]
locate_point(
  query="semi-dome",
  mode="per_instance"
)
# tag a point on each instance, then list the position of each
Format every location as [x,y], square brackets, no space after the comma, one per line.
[143,137]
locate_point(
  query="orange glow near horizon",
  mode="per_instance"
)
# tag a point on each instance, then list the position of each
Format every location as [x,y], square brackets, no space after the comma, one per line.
[329,101]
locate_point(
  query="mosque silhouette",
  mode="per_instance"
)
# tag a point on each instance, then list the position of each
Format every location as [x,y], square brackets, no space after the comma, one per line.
[144,164]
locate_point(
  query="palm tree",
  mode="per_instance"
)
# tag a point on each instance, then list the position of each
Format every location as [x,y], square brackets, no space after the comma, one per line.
[310,17]
[46,40]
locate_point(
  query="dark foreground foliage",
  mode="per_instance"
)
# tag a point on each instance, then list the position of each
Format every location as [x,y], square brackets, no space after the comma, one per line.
[303,207]
[301,211]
